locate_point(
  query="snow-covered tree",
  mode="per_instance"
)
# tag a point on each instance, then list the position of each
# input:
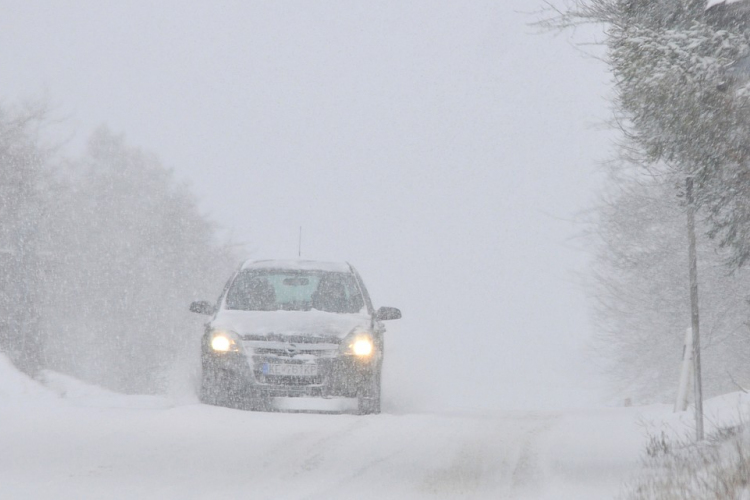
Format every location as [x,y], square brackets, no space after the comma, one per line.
[669,60]
[681,115]
[132,252]
[22,206]
[99,258]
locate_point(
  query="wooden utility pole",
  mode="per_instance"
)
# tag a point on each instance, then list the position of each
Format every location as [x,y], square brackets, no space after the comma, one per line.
[694,311]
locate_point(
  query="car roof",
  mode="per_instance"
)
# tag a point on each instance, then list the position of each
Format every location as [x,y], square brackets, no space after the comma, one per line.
[298,265]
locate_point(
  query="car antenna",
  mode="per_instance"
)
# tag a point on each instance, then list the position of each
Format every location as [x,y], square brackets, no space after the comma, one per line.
[299,251]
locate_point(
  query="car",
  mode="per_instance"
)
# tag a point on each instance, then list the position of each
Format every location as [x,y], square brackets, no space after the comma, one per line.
[293,329]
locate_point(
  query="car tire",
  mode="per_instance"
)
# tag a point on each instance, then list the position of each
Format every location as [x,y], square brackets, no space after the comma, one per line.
[368,406]
[207,394]
[257,402]
[217,390]
[368,399]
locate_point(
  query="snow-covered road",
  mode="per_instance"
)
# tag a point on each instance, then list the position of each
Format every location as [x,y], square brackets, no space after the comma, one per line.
[203,452]
[67,440]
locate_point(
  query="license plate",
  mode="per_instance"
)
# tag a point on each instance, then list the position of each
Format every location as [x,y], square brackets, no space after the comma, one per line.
[290,370]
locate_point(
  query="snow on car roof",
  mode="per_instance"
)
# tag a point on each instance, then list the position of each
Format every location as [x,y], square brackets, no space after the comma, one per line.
[302,265]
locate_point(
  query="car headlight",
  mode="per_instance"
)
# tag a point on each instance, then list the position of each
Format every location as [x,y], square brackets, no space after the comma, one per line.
[224,341]
[358,344]
[362,347]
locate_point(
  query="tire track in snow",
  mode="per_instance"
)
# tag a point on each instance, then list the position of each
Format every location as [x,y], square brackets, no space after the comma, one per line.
[528,476]
[499,462]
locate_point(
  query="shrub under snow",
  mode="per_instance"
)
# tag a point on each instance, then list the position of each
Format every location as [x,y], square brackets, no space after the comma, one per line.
[716,469]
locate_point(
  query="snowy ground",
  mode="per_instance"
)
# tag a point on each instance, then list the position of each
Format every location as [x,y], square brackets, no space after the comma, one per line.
[65,439]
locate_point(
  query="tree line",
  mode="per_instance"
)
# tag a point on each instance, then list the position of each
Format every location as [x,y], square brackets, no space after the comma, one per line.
[100,255]
[682,106]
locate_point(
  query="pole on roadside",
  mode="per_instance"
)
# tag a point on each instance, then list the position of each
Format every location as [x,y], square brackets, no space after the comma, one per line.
[692,256]
[686,372]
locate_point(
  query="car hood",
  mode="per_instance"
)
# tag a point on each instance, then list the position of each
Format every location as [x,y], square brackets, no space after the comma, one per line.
[312,323]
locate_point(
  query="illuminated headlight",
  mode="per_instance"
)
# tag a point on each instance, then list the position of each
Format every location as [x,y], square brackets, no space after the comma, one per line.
[358,343]
[224,341]
[362,347]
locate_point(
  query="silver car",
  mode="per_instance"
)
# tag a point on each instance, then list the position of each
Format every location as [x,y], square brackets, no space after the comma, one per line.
[293,329]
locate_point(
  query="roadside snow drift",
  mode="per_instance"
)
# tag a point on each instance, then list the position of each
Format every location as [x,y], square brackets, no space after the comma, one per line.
[14,384]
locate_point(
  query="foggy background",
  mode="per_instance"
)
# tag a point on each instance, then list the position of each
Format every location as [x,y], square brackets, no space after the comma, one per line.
[443,148]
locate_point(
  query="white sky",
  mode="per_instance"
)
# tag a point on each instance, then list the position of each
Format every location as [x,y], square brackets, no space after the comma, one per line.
[441,147]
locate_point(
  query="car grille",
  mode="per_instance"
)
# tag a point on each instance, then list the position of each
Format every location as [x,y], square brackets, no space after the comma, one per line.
[291,353]
[295,339]
[289,349]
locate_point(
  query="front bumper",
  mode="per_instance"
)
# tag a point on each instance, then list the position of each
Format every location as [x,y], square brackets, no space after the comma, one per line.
[245,372]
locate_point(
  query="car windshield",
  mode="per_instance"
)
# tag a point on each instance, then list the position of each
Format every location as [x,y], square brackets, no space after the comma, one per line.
[291,290]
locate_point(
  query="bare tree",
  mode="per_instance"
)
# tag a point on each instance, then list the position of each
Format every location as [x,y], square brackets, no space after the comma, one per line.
[641,293]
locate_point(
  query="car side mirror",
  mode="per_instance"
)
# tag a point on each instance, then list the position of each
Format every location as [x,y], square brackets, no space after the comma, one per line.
[387,313]
[202,307]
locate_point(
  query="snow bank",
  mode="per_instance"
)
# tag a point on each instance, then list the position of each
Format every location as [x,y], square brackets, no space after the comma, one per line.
[15,384]
[587,454]
[64,390]
[675,467]
[80,393]
[719,412]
